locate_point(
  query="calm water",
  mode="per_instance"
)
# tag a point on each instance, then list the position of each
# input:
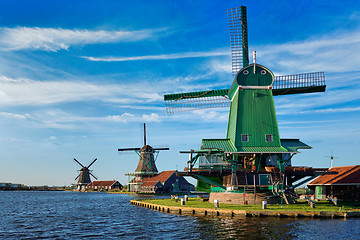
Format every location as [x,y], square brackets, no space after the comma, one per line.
[72,215]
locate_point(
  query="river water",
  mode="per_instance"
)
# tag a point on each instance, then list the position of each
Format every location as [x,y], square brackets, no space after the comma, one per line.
[73,215]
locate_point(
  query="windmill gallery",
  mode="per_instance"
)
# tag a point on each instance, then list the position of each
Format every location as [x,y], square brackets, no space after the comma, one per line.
[252,163]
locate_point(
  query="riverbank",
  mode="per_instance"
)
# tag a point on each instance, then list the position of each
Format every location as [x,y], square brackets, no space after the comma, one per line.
[195,206]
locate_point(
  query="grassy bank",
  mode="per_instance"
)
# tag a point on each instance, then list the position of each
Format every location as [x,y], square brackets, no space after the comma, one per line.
[301,206]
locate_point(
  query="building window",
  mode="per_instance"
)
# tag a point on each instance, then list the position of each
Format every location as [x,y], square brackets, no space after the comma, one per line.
[245,137]
[268,137]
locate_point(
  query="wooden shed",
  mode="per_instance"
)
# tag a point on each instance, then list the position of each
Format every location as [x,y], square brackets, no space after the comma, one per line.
[104,185]
[343,185]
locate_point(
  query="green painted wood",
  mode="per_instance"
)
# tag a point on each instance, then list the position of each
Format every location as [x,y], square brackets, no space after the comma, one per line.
[293,144]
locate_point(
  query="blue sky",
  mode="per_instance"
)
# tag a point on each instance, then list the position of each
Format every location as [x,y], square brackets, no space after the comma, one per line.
[78,78]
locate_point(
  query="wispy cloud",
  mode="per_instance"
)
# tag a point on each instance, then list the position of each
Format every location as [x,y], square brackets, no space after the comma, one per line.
[335,52]
[59,119]
[160,57]
[334,110]
[15,115]
[23,91]
[55,39]
[128,117]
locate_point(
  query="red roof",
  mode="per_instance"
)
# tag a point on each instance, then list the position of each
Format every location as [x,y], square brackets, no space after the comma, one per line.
[161,177]
[346,175]
[102,183]
[149,183]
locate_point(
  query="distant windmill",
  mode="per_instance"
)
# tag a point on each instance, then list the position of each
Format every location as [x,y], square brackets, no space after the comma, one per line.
[331,159]
[84,175]
[146,166]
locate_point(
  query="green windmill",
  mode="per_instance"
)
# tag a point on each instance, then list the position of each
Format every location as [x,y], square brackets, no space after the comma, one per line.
[252,158]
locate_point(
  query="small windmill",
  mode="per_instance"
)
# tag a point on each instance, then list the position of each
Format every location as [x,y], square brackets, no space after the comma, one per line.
[332,157]
[84,175]
[146,166]
[252,131]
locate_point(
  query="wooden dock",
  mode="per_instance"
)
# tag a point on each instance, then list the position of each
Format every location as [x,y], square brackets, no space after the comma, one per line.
[242,213]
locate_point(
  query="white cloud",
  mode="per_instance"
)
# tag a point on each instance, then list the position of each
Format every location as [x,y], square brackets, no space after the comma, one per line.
[15,115]
[55,39]
[128,117]
[335,52]
[160,57]
[30,92]
[125,117]
[334,110]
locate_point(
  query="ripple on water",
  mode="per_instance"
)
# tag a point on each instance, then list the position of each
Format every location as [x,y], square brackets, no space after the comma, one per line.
[72,215]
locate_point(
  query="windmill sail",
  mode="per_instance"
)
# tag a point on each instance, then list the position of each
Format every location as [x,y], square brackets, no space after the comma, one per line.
[299,83]
[237,20]
[283,85]
[181,102]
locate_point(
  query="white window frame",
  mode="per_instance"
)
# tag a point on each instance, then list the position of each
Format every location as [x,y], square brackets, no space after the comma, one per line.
[245,135]
[271,136]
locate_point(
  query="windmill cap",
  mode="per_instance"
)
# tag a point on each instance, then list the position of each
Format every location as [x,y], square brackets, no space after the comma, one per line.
[260,77]
[146,148]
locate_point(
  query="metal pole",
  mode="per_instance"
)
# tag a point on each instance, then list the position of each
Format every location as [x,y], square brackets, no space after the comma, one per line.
[144,134]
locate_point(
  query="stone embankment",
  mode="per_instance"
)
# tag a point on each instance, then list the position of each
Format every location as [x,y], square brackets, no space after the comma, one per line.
[238,213]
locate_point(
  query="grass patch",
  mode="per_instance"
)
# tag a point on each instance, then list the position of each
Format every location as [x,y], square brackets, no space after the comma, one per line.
[301,206]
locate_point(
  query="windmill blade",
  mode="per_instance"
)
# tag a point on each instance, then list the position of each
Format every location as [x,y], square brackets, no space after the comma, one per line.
[77,177]
[161,149]
[92,163]
[237,19]
[299,83]
[181,102]
[93,176]
[128,149]
[78,162]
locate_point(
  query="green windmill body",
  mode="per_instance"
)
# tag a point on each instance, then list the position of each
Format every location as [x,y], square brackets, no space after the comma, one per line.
[252,118]
[252,156]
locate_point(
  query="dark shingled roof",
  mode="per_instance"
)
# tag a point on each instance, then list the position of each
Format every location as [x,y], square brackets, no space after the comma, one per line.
[346,175]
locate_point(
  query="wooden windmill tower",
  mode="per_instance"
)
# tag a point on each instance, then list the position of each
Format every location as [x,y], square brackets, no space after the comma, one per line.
[146,166]
[252,144]
[84,175]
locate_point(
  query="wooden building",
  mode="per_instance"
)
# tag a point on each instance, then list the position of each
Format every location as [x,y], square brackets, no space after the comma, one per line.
[165,182]
[104,185]
[344,185]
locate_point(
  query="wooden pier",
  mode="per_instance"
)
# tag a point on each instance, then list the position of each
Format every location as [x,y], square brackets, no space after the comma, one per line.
[243,213]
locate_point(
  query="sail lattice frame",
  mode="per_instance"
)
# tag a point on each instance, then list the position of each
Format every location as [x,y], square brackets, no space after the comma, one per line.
[190,104]
[299,83]
[283,85]
[237,21]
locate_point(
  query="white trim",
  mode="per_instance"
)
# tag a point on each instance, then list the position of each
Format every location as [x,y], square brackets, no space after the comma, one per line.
[255,87]
[335,184]
[247,137]
[237,89]
[261,152]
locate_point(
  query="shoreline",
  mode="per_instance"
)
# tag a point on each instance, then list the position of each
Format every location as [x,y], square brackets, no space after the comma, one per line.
[194,211]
